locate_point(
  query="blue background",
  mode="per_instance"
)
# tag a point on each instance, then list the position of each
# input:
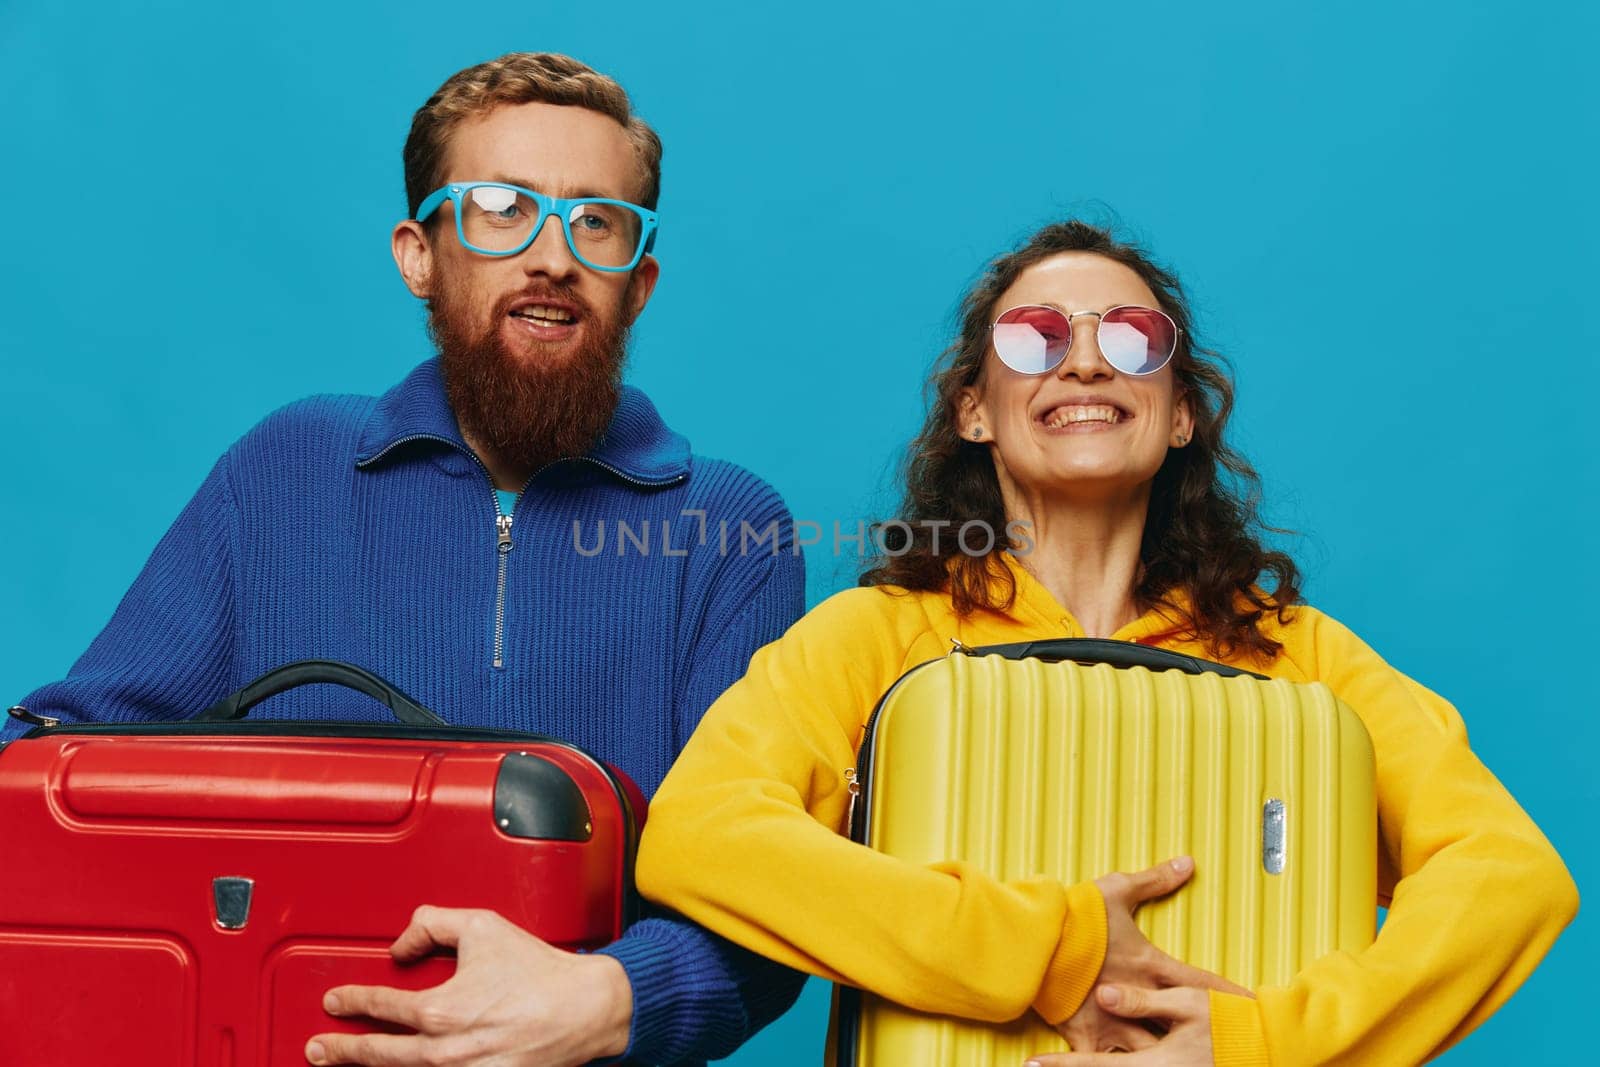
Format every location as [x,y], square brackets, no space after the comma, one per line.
[1384,212]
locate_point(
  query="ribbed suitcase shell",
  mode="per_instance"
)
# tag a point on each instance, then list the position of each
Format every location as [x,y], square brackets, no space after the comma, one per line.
[1026,767]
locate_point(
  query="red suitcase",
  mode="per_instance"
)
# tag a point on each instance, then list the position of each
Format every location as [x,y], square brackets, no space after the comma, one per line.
[183,894]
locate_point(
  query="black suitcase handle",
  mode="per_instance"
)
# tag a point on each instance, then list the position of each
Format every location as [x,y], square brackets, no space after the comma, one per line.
[310,671]
[1115,653]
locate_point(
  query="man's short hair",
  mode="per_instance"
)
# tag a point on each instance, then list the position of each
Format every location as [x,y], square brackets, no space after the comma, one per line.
[520,78]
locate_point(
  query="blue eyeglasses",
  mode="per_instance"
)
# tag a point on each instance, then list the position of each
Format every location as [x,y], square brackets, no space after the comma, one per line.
[494,219]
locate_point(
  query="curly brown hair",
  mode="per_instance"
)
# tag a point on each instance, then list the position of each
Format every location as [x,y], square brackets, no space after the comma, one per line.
[1202,532]
[521,78]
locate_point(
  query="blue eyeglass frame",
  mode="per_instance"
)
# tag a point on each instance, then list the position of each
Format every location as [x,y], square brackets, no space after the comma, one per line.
[548,205]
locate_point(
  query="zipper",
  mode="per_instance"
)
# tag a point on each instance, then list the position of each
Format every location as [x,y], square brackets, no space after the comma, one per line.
[502,522]
[630,479]
[858,776]
[22,714]
[856,825]
[503,543]
[392,445]
[502,530]
[854,785]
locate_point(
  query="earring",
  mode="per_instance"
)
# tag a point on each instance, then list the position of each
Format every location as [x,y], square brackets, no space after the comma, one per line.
[1183,440]
[977,433]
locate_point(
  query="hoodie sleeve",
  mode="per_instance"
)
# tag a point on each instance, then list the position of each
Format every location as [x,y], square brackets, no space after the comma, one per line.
[1476,893]
[747,838]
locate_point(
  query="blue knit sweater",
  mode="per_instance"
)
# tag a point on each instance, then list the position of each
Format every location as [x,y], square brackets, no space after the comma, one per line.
[365,530]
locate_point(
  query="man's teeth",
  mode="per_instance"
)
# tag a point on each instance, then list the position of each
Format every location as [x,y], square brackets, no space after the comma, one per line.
[1066,416]
[544,314]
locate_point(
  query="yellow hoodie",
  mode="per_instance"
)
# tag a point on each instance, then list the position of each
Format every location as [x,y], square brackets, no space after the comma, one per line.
[746,838]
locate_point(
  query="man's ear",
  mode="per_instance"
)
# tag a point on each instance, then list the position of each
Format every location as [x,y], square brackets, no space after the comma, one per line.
[643,283]
[414,256]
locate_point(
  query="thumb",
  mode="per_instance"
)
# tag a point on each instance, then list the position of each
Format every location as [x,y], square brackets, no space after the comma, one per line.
[430,928]
[1158,881]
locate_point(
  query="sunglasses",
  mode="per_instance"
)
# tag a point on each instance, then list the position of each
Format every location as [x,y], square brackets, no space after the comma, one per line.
[1034,339]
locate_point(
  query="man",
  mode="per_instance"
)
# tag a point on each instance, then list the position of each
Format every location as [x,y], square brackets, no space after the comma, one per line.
[443,537]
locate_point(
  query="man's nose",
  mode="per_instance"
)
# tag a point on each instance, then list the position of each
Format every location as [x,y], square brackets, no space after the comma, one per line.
[549,253]
[1084,360]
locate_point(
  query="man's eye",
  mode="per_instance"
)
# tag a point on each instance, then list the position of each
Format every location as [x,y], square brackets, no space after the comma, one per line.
[592,223]
[498,205]
[504,213]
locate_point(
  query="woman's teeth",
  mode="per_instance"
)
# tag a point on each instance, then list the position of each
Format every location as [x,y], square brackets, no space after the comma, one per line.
[1066,416]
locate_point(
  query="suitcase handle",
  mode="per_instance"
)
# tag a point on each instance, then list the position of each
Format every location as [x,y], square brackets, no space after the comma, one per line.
[1115,653]
[310,671]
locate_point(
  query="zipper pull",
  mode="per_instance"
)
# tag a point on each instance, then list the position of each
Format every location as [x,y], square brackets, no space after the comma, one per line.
[22,714]
[502,523]
[854,785]
[956,646]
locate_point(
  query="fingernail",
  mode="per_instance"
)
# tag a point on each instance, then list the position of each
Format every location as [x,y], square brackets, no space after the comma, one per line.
[330,1002]
[1183,864]
[1032,1063]
[316,1053]
[1110,996]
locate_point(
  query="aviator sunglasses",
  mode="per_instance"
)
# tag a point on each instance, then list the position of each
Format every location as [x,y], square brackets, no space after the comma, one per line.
[1033,339]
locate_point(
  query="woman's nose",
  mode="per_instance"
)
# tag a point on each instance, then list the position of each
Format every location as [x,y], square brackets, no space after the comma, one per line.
[1083,360]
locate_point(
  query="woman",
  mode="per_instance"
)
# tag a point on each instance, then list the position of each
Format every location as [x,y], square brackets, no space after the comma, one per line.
[1076,412]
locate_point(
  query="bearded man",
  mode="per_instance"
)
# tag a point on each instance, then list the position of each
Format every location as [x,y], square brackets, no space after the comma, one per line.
[431,536]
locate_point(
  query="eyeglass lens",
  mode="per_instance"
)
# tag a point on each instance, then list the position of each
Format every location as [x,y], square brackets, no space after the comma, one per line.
[499,220]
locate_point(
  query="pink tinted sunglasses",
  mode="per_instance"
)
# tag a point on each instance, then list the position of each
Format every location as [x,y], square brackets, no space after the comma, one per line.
[1034,339]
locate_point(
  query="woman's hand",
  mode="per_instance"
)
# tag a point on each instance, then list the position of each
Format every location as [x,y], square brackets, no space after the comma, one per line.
[1132,961]
[1184,1011]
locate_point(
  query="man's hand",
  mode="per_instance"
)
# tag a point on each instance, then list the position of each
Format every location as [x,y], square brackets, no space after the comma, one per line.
[513,1001]
[1185,1013]
[1131,960]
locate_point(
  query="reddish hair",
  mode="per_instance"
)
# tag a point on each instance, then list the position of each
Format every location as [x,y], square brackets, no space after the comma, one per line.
[520,78]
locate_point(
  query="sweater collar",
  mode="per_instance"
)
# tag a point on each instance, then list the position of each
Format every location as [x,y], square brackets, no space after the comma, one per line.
[636,445]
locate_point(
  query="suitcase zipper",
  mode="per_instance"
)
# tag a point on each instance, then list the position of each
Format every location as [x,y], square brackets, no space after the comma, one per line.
[22,714]
[862,771]
[854,785]
[856,825]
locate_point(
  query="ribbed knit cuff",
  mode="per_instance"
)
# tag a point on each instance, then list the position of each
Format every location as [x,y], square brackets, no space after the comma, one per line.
[1237,1037]
[1079,955]
[648,965]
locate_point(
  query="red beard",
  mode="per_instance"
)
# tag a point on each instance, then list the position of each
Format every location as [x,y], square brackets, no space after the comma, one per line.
[528,412]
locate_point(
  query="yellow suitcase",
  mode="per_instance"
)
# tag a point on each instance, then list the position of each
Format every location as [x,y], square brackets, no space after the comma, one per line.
[1075,758]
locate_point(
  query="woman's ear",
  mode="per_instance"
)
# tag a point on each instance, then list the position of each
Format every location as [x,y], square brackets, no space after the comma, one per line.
[1182,418]
[969,414]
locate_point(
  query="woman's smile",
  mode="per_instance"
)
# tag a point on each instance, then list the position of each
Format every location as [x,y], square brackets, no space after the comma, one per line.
[1082,415]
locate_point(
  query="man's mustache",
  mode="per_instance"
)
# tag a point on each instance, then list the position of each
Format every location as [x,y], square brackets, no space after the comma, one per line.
[564,294]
